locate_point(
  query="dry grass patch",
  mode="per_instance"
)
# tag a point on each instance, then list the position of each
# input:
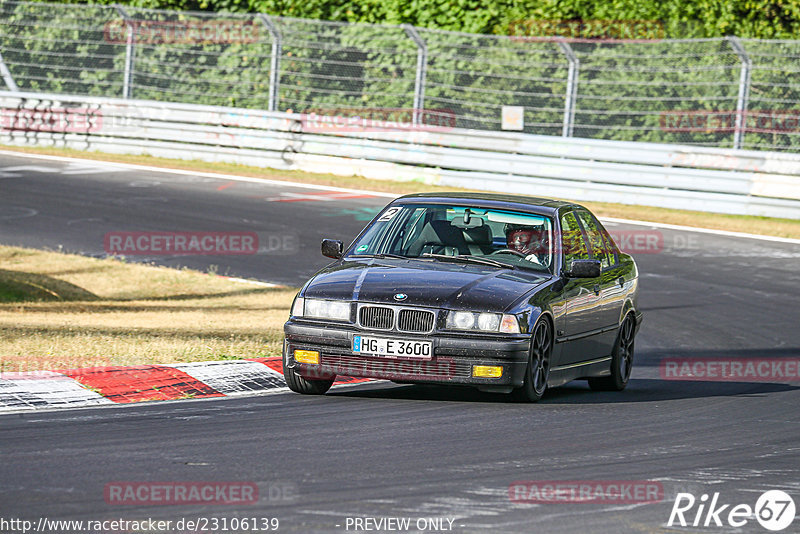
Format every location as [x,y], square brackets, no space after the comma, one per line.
[733,223]
[62,311]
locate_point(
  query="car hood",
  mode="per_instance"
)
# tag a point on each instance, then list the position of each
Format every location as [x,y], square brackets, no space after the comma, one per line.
[426,283]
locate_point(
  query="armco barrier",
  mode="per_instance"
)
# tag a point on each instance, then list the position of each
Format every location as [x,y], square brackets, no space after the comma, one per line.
[671,176]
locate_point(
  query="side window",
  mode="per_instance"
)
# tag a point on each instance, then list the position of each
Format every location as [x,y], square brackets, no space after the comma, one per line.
[599,247]
[572,242]
[610,248]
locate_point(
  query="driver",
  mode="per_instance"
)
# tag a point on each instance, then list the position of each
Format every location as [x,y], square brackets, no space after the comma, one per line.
[526,240]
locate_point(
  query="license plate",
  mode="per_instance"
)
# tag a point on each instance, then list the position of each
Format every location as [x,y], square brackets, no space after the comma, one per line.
[393,348]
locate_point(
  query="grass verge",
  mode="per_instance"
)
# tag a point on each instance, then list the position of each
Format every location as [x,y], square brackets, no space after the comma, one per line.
[60,311]
[734,223]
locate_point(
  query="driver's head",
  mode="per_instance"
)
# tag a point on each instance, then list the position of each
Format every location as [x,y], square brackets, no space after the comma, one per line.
[523,239]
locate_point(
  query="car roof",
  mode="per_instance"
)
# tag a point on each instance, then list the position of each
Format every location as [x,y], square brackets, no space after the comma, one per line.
[491,200]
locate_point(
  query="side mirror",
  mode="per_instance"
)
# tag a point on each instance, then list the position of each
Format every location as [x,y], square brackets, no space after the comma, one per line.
[583,269]
[332,248]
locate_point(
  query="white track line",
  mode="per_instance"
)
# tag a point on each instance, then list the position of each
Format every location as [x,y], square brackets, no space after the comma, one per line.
[704,230]
[251,282]
[231,177]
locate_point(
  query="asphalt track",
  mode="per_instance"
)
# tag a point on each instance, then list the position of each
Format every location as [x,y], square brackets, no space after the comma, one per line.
[384,450]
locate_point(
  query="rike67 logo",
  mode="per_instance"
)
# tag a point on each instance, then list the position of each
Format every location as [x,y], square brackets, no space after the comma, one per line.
[774,510]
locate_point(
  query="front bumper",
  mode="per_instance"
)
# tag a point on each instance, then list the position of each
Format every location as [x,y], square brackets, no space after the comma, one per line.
[454,356]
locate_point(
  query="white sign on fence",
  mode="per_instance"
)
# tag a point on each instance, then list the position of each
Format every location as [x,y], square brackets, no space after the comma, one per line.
[513,118]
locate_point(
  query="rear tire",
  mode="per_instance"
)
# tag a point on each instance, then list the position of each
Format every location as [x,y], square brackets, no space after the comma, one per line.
[298,384]
[621,360]
[537,371]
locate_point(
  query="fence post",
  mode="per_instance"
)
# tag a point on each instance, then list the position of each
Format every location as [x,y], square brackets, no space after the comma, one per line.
[6,74]
[572,89]
[422,67]
[744,92]
[275,62]
[127,77]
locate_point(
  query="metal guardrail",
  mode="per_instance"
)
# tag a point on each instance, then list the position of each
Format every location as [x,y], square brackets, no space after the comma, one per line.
[670,176]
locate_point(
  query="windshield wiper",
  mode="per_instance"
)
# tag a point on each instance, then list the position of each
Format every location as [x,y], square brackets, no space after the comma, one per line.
[389,255]
[471,259]
[382,255]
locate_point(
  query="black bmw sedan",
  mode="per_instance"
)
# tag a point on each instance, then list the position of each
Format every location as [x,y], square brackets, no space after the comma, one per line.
[507,293]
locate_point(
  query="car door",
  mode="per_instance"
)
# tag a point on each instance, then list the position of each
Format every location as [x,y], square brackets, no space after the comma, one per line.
[611,293]
[579,332]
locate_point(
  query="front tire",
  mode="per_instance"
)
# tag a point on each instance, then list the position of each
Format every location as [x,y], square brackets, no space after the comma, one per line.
[538,370]
[621,360]
[298,384]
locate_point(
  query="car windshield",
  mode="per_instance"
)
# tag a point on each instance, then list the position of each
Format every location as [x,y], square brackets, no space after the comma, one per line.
[489,237]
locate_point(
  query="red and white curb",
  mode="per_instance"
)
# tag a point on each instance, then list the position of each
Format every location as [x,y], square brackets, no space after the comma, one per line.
[98,386]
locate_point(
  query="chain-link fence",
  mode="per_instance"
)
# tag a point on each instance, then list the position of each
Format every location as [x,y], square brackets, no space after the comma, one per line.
[715,92]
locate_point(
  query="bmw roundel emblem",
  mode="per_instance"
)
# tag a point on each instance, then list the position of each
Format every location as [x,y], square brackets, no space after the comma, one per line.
[400,296]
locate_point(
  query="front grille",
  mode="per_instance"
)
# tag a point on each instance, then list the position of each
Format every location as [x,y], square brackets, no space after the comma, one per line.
[439,369]
[415,320]
[378,317]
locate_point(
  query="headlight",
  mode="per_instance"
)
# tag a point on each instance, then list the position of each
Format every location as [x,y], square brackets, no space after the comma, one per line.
[483,322]
[461,320]
[488,321]
[338,310]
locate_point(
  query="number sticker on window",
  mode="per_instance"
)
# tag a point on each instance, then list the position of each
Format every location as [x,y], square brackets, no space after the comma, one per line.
[391,212]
